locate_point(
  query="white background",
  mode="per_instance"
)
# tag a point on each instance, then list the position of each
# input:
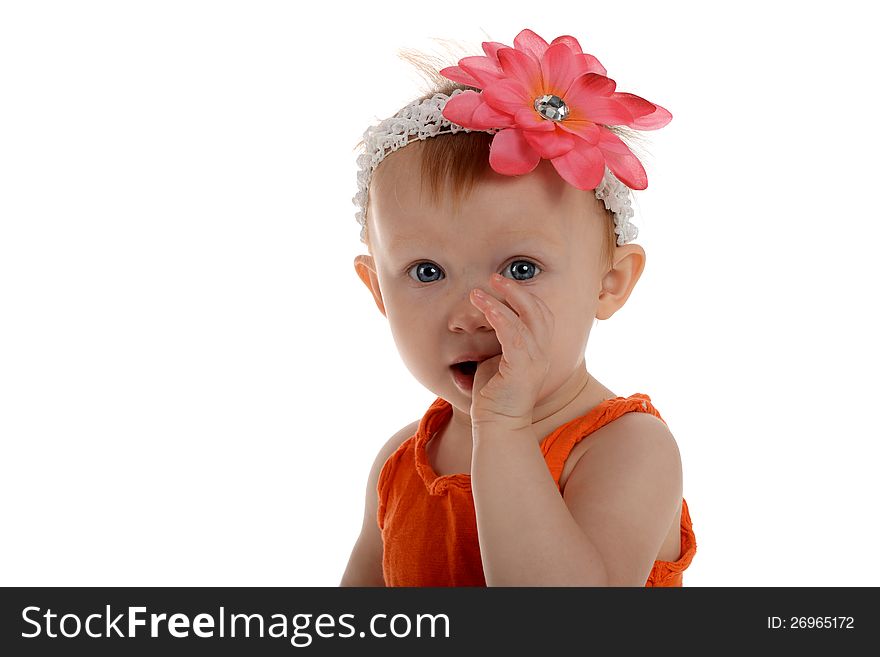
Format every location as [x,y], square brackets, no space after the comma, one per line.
[194,382]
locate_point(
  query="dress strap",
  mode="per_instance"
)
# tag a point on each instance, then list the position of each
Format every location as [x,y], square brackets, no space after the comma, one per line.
[558,445]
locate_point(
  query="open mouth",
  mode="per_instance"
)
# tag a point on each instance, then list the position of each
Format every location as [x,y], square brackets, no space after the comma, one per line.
[468,367]
[463,374]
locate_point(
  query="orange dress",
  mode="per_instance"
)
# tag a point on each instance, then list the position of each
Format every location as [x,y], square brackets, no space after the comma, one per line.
[428,523]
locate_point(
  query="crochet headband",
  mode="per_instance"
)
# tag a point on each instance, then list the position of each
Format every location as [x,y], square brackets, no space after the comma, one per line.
[540,101]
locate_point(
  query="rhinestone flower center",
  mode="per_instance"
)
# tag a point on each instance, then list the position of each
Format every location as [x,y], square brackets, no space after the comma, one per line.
[551,107]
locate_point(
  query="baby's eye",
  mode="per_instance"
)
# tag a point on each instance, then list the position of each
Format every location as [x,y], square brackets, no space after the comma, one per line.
[523,270]
[426,272]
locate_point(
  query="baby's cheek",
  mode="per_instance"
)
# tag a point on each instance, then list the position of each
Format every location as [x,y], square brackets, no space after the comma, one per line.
[571,327]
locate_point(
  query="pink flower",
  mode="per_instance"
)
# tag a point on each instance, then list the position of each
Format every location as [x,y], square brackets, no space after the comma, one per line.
[551,101]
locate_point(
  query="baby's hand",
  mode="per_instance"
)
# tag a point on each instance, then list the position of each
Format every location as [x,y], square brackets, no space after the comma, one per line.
[507,386]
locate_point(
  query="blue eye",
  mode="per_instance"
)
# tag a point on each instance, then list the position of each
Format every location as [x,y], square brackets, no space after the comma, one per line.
[428,272]
[523,270]
[427,269]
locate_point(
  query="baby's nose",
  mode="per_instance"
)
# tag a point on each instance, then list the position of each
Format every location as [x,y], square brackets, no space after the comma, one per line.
[464,316]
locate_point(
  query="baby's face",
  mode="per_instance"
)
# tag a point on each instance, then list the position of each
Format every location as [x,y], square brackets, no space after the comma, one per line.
[535,229]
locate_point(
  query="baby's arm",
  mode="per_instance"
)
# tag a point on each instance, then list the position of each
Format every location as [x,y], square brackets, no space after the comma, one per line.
[365,563]
[606,529]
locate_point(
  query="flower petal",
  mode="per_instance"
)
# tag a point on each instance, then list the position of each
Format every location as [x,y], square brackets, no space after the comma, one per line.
[510,154]
[550,144]
[486,117]
[591,84]
[586,130]
[590,63]
[482,69]
[594,65]
[573,44]
[507,96]
[646,115]
[529,119]
[602,110]
[491,49]
[583,166]
[621,160]
[468,110]
[458,74]
[559,68]
[590,99]
[529,42]
[460,108]
[523,68]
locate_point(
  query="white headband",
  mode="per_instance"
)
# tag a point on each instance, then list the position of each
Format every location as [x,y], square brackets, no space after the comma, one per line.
[422,119]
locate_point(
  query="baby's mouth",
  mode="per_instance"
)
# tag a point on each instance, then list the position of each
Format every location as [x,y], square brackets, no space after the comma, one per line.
[468,367]
[463,374]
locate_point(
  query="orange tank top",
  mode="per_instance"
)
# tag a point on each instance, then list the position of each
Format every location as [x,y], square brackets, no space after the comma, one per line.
[428,523]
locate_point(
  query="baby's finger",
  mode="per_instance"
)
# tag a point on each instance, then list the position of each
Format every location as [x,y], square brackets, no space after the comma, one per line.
[530,307]
[517,341]
[547,314]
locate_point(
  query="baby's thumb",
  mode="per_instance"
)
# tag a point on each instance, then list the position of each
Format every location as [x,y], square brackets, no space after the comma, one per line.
[485,371]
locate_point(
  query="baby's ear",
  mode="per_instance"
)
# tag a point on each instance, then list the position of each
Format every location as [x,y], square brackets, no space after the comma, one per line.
[618,282]
[366,270]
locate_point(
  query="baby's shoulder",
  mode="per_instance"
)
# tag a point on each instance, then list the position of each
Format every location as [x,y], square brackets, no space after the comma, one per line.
[620,438]
[633,431]
[393,444]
